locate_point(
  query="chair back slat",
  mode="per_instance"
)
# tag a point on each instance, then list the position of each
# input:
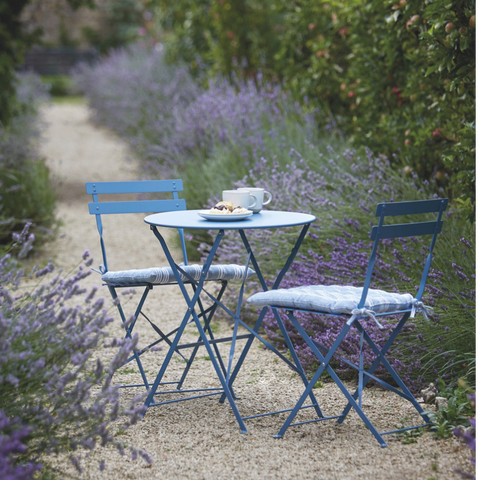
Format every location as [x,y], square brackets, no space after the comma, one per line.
[383,231]
[139,186]
[409,208]
[139,206]
[406,230]
[99,208]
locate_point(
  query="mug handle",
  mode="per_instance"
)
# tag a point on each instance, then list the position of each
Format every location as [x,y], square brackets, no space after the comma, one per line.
[269,198]
[254,201]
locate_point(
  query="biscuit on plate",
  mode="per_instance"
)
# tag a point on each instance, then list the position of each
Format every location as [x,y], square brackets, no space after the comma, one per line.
[240,210]
[228,205]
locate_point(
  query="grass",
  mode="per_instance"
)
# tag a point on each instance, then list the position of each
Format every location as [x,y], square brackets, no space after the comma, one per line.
[70,100]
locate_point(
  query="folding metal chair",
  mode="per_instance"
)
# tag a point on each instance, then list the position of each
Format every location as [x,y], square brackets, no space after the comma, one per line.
[150,277]
[357,303]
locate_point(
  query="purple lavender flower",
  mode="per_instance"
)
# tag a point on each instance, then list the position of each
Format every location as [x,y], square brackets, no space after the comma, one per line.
[59,394]
[468,438]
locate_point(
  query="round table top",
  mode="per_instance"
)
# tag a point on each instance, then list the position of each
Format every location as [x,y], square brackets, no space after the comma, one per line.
[265,219]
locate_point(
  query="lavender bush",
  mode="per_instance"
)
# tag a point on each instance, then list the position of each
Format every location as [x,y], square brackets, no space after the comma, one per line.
[468,438]
[171,122]
[133,92]
[342,190]
[12,438]
[55,391]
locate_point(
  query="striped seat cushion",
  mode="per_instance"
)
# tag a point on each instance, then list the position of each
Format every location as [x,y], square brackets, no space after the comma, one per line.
[333,299]
[165,275]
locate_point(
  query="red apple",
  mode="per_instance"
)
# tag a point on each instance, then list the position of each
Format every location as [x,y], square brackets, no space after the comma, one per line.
[471,22]
[413,21]
[449,27]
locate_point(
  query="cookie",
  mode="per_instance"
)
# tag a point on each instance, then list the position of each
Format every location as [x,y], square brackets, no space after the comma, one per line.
[223,205]
[240,210]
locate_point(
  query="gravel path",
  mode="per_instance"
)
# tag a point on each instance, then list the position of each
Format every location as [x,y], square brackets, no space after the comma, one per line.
[200,439]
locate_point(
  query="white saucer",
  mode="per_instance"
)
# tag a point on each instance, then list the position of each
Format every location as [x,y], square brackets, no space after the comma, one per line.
[224,217]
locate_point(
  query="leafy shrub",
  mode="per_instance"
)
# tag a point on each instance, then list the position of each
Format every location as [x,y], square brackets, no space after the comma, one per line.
[58,85]
[17,36]
[26,196]
[26,190]
[122,22]
[56,394]
[18,138]
[397,76]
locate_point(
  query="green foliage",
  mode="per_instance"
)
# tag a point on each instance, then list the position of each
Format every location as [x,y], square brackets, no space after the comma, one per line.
[123,19]
[227,36]
[449,417]
[14,42]
[408,437]
[27,196]
[459,390]
[399,77]
[58,85]
[457,411]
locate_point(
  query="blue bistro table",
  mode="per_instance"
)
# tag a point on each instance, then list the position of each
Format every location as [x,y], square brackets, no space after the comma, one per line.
[189,219]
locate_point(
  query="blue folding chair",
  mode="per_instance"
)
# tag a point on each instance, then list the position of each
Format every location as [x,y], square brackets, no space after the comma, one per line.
[357,303]
[157,276]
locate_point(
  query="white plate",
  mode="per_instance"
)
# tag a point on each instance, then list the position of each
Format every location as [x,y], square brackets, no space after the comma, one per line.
[224,217]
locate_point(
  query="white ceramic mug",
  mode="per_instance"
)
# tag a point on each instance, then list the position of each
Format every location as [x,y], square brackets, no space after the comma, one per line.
[259,194]
[239,198]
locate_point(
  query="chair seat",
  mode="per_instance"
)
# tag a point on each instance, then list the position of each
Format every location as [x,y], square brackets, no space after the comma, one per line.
[165,275]
[333,299]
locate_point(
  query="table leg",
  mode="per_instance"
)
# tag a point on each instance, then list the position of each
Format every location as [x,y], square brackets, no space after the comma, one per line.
[191,302]
[263,284]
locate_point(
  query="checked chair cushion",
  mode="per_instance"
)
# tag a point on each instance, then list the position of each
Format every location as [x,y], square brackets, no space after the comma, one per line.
[333,299]
[165,275]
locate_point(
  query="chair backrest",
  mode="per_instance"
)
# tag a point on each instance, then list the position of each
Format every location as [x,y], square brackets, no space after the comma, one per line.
[413,229]
[99,208]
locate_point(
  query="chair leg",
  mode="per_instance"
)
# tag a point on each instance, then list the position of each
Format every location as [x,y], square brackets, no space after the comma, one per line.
[407,394]
[129,329]
[324,365]
[360,371]
[295,358]
[381,359]
[207,327]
